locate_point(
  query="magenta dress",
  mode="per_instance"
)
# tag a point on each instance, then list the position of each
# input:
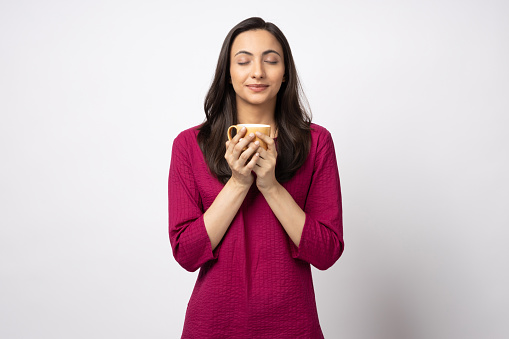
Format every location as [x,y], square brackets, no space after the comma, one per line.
[256,283]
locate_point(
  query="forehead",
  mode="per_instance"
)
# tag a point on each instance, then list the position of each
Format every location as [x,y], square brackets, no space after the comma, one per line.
[256,42]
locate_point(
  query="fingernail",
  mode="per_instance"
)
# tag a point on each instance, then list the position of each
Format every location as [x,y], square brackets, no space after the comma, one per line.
[258,133]
[257,143]
[243,129]
[240,139]
[251,135]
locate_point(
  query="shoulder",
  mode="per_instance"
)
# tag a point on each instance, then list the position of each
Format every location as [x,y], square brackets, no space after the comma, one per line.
[318,130]
[185,145]
[322,145]
[319,135]
[187,136]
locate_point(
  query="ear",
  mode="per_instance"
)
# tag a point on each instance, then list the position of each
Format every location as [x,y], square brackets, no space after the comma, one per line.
[284,78]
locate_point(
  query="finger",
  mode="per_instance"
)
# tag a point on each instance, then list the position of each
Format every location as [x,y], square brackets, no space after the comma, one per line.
[267,155]
[251,149]
[235,139]
[256,145]
[263,163]
[239,135]
[258,148]
[256,169]
[265,159]
[263,153]
[229,148]
[243,142]
[268,140]
[252,163]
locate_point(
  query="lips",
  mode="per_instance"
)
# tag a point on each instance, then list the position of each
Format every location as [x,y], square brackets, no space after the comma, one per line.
[257,87]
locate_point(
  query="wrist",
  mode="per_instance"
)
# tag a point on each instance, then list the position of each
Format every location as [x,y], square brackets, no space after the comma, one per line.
[238,185]
[271,190]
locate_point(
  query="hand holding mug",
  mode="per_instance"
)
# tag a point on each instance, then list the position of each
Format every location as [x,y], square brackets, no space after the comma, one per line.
[265,168]
[252,128]
[242,157]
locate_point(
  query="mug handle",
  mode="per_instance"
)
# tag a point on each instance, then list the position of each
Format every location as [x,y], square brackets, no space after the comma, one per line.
[230,131]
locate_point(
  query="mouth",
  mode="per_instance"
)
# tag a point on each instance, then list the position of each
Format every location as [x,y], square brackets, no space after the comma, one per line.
[257,87]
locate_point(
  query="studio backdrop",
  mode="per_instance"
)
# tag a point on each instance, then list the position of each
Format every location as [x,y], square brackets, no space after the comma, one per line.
[415,95]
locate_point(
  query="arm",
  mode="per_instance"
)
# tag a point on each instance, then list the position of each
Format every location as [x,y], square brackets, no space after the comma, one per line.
[220,214]
[227,203]
[282,204]
[316,233]
[286,210]
[188,237]
[195,234]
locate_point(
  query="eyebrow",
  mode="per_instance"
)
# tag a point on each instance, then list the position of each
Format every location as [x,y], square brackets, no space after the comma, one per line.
[264,53]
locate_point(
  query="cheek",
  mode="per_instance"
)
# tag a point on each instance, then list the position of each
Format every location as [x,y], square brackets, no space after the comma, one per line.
[281,74]
[277,88]
[237,76]
[236,81]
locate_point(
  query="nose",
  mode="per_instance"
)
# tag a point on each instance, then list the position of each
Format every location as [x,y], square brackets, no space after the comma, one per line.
[258,71]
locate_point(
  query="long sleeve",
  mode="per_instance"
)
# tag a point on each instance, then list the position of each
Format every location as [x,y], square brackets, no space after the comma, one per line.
[188,237]
[321,242]
[254,284]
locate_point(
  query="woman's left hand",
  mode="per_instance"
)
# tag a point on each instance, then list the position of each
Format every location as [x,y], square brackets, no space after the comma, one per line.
[265,167]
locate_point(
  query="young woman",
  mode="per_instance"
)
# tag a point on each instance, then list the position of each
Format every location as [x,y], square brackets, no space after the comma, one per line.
[254,220]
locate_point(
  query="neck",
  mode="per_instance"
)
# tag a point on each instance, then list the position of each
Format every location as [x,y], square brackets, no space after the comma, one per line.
[257,114]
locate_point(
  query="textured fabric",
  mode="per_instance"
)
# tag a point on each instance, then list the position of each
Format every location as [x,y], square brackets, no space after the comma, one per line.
[256,283]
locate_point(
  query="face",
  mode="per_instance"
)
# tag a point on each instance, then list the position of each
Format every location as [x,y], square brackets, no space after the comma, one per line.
[257,68]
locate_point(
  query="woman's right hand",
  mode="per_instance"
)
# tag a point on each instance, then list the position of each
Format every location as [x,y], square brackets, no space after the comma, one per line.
[238,159]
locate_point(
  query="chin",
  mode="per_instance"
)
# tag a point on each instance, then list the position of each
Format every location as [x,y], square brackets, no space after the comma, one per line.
[259,101]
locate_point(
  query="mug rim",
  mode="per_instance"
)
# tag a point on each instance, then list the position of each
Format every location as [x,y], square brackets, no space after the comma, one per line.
[253,125]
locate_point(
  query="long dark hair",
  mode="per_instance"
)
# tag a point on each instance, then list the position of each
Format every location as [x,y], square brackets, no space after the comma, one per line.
[291,116]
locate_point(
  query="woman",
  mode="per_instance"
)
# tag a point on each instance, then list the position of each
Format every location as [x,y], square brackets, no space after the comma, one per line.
[254,220]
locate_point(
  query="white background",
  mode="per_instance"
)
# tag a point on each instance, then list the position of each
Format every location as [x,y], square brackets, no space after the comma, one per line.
[415,94]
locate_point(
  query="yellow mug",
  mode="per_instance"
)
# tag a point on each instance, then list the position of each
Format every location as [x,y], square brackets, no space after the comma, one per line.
[251,128]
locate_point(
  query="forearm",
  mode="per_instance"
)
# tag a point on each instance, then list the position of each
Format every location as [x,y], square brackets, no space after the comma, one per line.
[289,214]
[220,214]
